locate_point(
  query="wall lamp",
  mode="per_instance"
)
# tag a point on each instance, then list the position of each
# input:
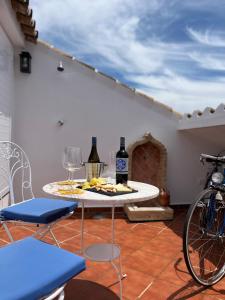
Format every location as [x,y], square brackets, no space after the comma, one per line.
[60,67]
[25,62]
[60,122]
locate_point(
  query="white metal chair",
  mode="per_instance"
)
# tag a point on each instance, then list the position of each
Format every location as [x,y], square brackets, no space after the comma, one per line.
[22,206]
[32,269]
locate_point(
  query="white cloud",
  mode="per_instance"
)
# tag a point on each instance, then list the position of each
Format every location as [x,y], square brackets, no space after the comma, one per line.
[111,31]
[208,37]
[211,62]
[183,94]
[108,28]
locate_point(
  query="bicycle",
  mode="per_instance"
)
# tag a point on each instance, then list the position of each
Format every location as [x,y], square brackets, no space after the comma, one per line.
[204,229]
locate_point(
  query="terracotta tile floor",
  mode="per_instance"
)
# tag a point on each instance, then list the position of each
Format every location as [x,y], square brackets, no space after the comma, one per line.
[151,257]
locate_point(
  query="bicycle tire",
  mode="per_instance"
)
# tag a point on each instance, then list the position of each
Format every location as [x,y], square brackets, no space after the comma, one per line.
[197,222]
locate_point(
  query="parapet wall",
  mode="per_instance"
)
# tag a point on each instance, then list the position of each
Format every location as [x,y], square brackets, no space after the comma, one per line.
[207,118]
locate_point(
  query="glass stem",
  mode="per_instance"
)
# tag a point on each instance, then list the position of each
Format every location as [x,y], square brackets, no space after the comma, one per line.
[71,175]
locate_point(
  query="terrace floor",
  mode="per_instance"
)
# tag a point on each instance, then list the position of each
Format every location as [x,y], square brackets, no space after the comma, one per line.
[151,257]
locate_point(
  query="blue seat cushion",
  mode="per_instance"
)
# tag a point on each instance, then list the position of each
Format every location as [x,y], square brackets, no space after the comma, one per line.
[38,210]
[31,269]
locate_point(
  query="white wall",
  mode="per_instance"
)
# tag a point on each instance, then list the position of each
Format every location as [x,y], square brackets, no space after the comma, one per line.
[9,22]
[6,91]
[92,105]
[6,74]
[10,38]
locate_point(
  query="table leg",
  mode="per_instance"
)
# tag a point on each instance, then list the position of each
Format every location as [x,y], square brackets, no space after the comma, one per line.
[105,252]
[118,269]
[82,229]
[113,224]
[113,241]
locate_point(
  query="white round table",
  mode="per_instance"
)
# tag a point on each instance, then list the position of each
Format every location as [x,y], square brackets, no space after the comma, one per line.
[107,251]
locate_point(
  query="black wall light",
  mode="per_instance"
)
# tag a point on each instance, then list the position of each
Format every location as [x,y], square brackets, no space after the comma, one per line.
[60,67]
[25,62]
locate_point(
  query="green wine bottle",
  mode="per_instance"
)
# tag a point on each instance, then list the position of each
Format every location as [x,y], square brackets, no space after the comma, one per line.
[93,157]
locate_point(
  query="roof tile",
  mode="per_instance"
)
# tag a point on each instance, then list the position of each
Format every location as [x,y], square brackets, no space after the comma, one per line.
[24,17]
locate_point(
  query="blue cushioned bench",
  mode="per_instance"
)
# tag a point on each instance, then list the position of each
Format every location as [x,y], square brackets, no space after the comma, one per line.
[31,269]
[38,210]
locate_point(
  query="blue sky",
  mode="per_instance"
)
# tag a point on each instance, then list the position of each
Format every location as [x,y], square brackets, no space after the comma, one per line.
[172,50]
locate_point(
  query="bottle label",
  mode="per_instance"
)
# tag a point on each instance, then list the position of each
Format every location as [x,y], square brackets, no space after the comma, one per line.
[122,165]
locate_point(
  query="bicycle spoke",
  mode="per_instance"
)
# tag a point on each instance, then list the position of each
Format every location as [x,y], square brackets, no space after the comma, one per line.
[201,239]
[194,225]
[203,245]
[220,258]
[207,252]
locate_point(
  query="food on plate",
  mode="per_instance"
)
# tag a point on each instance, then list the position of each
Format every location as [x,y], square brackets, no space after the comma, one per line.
[113,188]
[97,181]
[86,185]
[100,184]
[67,182]
[106,188]
[93,183]
[70,192]
[122,188]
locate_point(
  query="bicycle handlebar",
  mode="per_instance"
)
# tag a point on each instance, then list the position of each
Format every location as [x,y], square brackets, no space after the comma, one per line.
[211,158]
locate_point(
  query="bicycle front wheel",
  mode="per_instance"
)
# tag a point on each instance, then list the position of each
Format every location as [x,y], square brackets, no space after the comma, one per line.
[204,238]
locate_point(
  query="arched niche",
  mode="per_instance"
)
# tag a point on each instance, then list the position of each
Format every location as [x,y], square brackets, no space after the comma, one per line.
[147,161]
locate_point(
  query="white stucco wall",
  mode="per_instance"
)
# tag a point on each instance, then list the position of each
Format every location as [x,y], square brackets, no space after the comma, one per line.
[92,105]
[6,74]
[11,37]
[6,91]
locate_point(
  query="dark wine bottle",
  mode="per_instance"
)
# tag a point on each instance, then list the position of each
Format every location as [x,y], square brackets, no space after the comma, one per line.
[122,163]
[93,157]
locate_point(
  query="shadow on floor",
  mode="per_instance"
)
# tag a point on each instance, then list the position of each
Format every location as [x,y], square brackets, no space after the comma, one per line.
[88,290]
[191,288]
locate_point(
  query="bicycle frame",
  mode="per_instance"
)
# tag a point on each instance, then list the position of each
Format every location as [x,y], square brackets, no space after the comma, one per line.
[212,212]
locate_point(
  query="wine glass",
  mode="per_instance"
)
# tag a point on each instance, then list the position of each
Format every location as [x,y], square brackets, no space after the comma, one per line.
[110,171]
[72,160]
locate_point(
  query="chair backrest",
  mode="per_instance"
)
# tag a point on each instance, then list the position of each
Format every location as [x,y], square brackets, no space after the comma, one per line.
[15,173]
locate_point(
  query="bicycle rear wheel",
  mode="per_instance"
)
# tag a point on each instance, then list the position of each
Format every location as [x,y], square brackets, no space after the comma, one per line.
[204,238]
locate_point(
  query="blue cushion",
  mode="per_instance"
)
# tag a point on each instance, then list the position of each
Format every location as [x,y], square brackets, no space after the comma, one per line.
[38,210]
[31,269]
